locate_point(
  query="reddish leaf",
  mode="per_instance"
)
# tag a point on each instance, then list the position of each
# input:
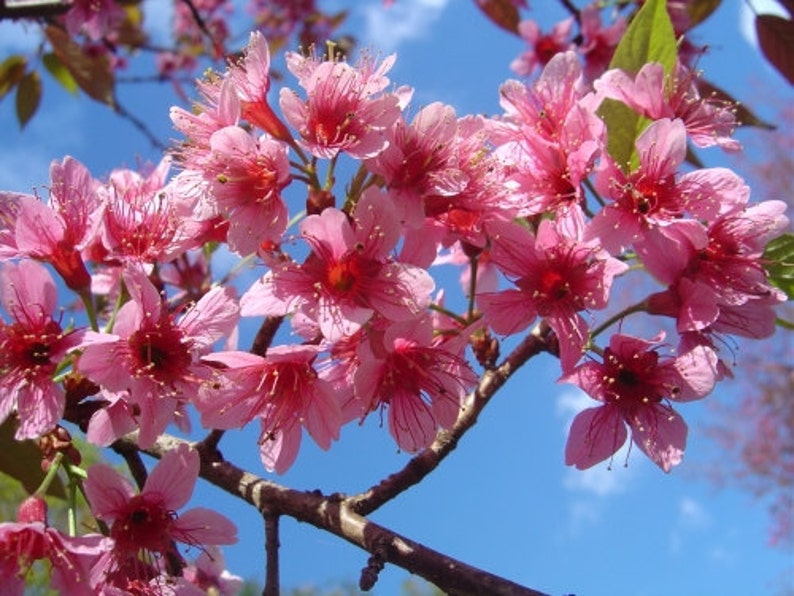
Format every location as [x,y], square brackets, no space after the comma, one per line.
[776,38]
[28,97]
[12,70]
[22,461]
[503,13]
[700,10]
[92,74]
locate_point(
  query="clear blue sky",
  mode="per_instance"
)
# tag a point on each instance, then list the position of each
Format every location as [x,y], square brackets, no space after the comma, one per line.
[504,499]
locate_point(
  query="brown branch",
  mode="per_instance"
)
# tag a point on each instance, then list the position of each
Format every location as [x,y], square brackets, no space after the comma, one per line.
[446,440]
[332,514]
[264,337]
[272,544]
[132,456]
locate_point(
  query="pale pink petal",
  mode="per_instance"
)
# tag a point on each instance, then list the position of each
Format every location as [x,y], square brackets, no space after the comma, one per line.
[204,526]
[595,434]
[107,491]
[278,452]
[174,477]
[411,422]
[507,312]
[661,434]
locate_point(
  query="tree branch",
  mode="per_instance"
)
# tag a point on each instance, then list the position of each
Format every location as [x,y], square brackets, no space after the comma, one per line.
[332,514]
[272,544]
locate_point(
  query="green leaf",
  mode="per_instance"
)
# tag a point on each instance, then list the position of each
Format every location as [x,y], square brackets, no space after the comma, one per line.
[12,69]
[28,97]
[648,38]
[59,72]
[779,262]
[21,460]
[93,74]
[503,13]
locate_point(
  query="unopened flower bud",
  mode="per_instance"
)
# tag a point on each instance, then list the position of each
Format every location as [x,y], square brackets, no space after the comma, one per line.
[32,509]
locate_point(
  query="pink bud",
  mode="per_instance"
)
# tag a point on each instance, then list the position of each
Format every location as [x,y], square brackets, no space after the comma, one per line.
[32,509]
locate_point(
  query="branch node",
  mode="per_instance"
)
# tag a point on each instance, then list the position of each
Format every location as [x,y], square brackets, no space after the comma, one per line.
[375,564]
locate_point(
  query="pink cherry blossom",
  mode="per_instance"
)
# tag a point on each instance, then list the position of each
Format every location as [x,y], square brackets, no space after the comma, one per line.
[209,573]
[30,539]
[419,380]
[247,175]
[57,232]
[551,136]
[653,94]
[152,355]
[93,18]
[556,276]
[282,390]
[635,385]
[32,347]
[598,42]
[420,160]
[542,47]
[648,205]
[349,275]
[345,109]
[147,522]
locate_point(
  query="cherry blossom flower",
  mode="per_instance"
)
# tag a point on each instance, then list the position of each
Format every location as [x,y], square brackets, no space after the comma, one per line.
[653,94]
[550,135]
[542,48]
[32,347]
[710,285]
[94,18]
[598,42]
[349,275]
[144,526]
[344,110]
[420,160]
[57,232]
[247,177]
[648,204]
[282,390]
[251,79]
[154,356]
[635,386]
[556,275]
[419,380]
[209,573]
[30,539]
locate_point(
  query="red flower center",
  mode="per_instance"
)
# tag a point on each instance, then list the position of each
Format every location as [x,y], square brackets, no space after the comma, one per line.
[145,525]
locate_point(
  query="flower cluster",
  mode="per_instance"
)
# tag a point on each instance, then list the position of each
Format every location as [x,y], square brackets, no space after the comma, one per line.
[543,216]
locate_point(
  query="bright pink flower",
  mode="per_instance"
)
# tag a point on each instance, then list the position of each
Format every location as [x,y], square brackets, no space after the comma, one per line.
[653,94]
[154,356]
[283,391]
[598,42]
[57,232]
[556,276]
[542,48]
[550,135]
[251,79]
[649,203]
[350,274]
[421,381]
[147,522]
[32,346]
[247,176]
[421,160]
[635,386]
[344,110]
[710,284]
[30,539]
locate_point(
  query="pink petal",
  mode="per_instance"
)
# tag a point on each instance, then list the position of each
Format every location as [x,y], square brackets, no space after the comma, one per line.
[204,526]
[595,435]
[107,491]
[174,477]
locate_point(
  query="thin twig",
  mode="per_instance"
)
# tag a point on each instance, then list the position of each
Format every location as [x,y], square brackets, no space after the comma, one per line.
[132,456]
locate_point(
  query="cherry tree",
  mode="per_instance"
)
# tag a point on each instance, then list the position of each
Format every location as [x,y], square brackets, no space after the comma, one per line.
[344,202]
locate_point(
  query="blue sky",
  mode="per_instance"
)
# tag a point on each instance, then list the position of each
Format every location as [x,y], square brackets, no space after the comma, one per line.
[504,499]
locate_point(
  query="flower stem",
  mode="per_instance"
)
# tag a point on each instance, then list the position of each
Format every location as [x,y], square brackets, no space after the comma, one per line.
[640,306]
[50,476]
